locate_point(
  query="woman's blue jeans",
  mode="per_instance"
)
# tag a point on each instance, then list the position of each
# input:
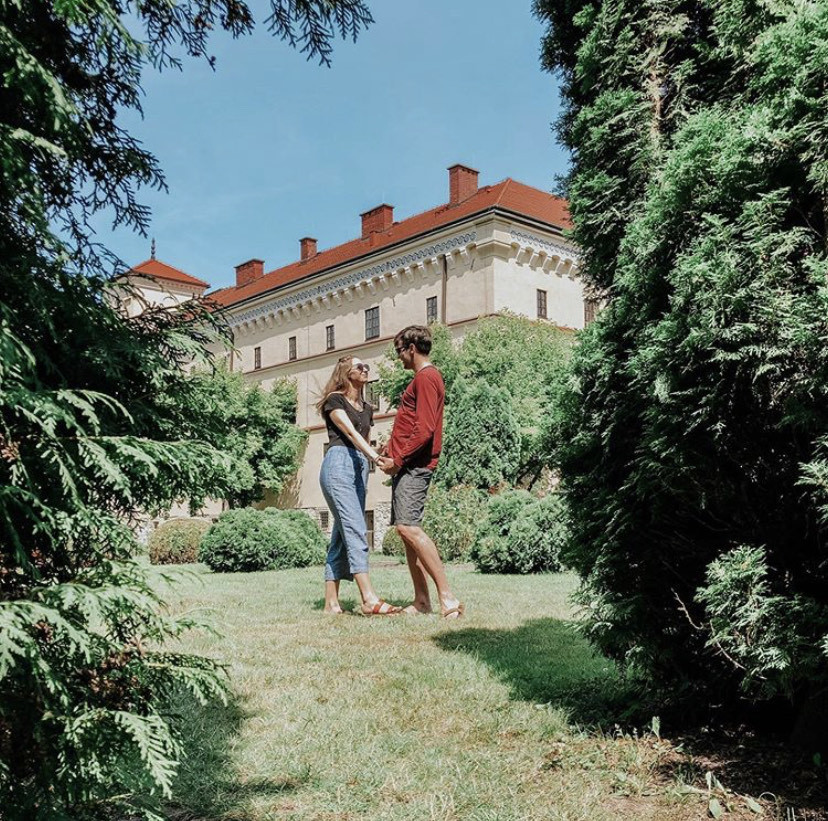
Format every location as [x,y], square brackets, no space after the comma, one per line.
[344,479]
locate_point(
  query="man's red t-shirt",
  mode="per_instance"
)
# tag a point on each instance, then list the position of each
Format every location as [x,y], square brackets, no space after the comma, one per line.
[417,436]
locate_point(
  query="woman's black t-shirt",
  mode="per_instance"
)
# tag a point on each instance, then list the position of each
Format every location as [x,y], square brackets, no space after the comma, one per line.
[361,420]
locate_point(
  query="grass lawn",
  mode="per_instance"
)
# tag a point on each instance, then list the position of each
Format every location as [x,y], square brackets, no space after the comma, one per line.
[492,718]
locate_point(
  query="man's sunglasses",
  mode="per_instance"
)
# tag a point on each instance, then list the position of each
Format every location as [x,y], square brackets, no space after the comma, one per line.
[362,368]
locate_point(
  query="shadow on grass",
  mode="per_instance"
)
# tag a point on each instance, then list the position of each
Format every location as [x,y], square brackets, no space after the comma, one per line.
[208,785]
[547,661]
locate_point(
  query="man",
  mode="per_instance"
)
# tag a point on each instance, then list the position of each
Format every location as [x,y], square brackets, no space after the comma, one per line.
[410,458]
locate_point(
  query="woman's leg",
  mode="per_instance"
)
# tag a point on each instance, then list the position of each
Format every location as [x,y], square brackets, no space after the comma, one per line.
[336,562]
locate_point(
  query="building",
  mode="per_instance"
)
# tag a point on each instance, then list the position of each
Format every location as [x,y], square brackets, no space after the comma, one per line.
[488,249]
[155,284]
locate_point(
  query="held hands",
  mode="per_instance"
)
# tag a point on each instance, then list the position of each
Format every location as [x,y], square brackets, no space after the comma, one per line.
[386,465]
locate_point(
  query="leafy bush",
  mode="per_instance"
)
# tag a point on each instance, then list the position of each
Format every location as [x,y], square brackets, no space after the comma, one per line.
[392,544]
[756,627]
[451,519]
[177,541]
[520,534]
[247,539]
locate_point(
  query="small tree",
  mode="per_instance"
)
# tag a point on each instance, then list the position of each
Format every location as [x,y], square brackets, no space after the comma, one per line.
[252,426]
[481,442]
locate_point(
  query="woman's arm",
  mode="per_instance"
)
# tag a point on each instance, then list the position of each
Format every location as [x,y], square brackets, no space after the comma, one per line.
[341,420]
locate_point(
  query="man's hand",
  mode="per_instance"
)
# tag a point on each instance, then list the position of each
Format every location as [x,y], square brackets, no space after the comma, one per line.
[386,465]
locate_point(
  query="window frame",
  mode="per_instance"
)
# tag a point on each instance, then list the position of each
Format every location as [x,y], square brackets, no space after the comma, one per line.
[542,303]
[292,356]
[330,337]
[372,323]
[431,315]
[257,358]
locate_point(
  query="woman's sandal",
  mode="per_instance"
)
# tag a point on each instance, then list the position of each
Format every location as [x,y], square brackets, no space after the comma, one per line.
[460,610]
[380,608]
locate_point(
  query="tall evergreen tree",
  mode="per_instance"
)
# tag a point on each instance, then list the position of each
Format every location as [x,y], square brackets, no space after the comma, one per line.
[87,434]
[691,432]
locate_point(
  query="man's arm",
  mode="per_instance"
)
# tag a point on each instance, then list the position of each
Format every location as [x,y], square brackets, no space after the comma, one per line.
[427,403]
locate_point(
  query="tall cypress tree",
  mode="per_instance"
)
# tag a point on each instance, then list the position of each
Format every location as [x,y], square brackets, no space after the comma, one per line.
[691,434]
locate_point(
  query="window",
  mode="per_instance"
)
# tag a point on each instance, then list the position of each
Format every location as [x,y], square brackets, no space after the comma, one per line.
[372,394]
[324,519]
[541,304]
[590,309]
[292,347]
[431,310]
[257,358]
[330,338]
[372,323]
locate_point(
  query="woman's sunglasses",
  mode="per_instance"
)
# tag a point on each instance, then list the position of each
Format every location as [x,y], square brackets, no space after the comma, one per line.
[362,368]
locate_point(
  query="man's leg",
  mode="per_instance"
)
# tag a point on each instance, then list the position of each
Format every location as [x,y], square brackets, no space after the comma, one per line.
[423,551]
[422,598]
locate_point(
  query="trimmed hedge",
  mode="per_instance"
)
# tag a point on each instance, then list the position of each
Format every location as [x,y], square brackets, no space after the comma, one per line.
[177,541]
[520,534]
[247,539]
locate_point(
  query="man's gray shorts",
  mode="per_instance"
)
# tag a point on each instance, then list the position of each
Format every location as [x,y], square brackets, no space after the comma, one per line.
[408,496]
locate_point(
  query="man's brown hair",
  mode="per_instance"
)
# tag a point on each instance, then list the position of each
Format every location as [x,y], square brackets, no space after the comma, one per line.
[417,335]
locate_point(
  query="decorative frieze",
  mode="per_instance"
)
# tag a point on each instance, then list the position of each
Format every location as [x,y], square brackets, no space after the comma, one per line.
[533,243]
[356,280]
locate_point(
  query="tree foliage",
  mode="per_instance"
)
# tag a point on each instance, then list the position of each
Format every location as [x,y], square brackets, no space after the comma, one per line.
[88,435]
[253,427]
[481,442]
[518,355]
[690,431]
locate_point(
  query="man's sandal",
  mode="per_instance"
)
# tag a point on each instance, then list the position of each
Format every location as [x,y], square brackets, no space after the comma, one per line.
[450,613]
[380,608]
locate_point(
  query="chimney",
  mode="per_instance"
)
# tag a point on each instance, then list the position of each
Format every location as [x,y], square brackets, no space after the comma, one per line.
[249,271]
[462,183]
[377,219]
[308,246]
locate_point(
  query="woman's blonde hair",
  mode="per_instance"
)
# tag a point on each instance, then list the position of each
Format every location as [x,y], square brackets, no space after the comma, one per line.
[338,381]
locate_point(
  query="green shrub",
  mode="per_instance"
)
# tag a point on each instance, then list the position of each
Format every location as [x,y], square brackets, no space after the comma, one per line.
[177,541]
[520,534]
[451,519]
[392,544]
[247,539]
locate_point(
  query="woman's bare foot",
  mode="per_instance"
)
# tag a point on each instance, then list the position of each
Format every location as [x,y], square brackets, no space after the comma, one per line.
[333,609]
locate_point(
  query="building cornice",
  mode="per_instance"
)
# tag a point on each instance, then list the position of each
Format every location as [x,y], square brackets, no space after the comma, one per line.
[262,305]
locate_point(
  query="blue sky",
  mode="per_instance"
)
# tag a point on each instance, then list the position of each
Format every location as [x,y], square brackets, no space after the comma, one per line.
[270,148]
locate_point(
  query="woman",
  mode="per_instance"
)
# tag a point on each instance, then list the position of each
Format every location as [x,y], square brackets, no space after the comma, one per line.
[344,479]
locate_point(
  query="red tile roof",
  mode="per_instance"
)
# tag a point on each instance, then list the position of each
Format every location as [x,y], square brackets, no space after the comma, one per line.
[509,195]
[160,270]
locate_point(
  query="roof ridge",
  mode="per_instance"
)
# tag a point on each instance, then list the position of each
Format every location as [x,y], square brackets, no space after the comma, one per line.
[508,194]
[435,210]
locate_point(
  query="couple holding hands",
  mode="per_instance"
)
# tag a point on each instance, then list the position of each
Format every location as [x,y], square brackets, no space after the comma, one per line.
[410,458]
